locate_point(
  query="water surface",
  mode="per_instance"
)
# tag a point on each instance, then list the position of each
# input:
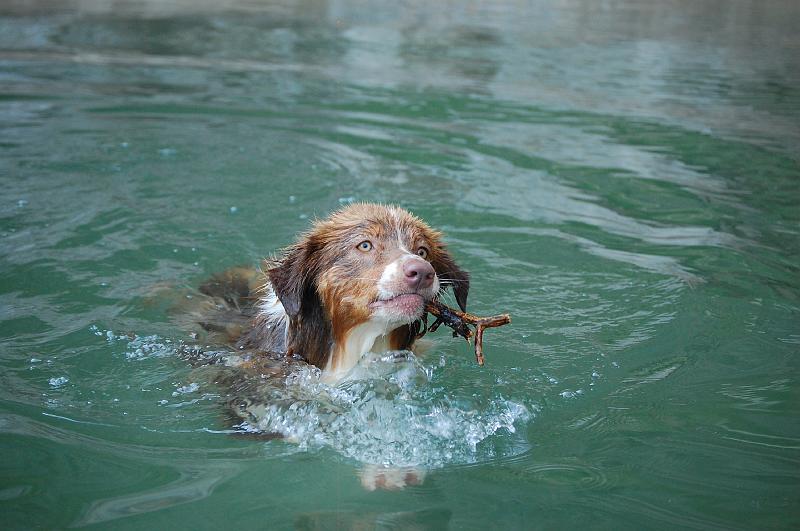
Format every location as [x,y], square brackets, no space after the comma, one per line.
[621,177]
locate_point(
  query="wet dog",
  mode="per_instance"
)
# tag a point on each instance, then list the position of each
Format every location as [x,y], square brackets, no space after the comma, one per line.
[356,282]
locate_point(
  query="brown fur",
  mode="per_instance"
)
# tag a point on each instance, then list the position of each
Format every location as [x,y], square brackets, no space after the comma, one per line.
[326,285]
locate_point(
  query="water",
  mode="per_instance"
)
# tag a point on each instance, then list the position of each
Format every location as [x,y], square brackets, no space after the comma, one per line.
[621,177]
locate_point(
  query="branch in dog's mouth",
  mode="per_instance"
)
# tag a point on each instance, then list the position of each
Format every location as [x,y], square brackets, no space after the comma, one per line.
[460,323]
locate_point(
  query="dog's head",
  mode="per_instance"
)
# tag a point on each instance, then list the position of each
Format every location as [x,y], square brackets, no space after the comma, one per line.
[365,263]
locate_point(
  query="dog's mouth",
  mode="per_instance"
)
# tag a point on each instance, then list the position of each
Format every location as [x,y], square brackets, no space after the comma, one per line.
[409,304]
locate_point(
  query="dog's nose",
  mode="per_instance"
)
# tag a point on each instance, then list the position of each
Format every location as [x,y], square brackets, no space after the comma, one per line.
[419,274]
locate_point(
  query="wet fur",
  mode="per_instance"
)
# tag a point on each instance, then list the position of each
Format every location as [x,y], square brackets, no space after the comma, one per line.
[313,300]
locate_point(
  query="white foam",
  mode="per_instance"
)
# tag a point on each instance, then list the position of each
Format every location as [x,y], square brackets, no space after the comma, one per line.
[185,389]
[388,414]
[390,411]
[58,382]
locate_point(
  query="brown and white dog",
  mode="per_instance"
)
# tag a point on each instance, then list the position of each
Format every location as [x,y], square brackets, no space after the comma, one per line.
[356,282]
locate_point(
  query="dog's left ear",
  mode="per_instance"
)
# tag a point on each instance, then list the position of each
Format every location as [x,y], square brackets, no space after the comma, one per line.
[450,274]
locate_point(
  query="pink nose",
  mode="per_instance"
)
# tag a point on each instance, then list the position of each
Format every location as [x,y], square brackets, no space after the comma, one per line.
[419,274]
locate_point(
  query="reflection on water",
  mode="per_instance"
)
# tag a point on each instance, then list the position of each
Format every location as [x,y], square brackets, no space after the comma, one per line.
[679,62]
[619,176]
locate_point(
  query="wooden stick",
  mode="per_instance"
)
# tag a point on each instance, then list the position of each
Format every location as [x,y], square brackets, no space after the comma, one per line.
[459,322]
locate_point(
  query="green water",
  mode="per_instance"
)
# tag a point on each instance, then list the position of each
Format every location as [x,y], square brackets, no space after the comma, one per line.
[622,177]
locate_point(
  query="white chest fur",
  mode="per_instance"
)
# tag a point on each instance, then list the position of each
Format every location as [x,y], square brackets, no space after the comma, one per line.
[371,336]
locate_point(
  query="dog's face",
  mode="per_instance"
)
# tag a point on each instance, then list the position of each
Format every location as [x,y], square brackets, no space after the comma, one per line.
[364,263]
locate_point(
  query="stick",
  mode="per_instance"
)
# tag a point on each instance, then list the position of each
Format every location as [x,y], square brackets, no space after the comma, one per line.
[459,322]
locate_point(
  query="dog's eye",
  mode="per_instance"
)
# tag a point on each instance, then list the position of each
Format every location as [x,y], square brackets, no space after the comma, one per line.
[365,246]
[423,252]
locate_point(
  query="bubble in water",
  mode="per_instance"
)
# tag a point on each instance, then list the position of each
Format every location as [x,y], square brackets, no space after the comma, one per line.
[58,382]
[191,388]
[141,347]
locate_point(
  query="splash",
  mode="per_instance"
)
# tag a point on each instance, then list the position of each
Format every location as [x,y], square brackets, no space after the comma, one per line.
[392,411]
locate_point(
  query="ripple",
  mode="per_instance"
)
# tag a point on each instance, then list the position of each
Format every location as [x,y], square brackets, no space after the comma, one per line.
[576,474]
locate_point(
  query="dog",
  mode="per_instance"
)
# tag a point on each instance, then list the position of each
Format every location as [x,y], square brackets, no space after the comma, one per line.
[356,282]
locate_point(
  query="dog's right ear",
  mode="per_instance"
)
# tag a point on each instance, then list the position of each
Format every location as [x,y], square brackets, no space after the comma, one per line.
[290,279]
[451,274]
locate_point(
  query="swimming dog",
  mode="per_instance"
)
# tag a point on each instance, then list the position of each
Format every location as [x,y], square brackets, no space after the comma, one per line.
[355,282]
